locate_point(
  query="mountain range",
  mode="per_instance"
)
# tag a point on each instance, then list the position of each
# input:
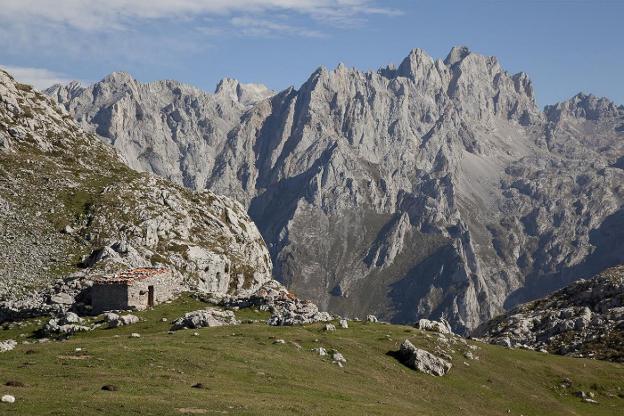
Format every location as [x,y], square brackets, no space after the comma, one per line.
[437,188]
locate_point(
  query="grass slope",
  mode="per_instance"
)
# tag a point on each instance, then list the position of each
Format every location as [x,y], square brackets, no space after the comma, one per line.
[244,373]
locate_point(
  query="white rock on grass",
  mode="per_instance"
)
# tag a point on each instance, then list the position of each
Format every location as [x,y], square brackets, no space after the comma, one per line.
[330,327]
[344,324]
[135,335]
[7,398]
[371,318]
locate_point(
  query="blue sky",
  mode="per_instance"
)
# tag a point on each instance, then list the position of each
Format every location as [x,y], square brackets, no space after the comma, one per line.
[566,46]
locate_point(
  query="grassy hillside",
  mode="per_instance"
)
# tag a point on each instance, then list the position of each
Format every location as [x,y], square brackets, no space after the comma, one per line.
[245,373]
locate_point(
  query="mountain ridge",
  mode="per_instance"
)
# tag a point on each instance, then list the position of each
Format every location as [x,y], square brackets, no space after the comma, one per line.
[437,188]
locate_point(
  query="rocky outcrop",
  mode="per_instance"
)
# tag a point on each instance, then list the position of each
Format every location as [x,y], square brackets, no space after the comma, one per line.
[114,320]
[286,308]
[71,210]
[441,326]
[585,319]
[209,317]
[422,360]
[436,188]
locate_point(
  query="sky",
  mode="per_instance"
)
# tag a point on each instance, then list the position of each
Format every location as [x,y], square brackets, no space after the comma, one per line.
[566,46]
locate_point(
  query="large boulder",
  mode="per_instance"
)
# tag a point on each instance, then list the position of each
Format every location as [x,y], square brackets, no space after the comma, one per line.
[422,360]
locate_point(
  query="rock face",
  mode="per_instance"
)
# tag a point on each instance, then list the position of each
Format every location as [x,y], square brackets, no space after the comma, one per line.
[422,360]
[585,319]
[437,188]
[71,209]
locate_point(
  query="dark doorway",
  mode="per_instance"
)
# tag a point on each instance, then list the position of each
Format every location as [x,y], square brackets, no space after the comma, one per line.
[150,296]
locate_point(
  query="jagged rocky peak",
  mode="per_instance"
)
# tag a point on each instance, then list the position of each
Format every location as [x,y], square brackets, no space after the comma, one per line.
[246,94]
[585,106]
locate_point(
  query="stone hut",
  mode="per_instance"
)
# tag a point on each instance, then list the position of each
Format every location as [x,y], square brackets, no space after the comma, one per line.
[135,289]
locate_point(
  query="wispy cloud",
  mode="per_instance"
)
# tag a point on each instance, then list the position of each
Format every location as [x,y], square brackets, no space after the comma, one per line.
[39,78]
[251,26]
[89,15]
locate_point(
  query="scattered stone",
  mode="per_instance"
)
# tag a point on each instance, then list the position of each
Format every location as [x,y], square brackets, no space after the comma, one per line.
[422,360]
[279,341]
[343,324]
[135,335]
[109,387]
[163,319]
[330,327]
[209,317]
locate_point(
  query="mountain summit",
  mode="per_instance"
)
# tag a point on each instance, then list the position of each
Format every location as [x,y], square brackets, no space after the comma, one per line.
[437,188]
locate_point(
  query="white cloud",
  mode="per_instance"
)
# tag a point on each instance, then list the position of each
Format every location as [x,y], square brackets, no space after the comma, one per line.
[97,15]
[39,78]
